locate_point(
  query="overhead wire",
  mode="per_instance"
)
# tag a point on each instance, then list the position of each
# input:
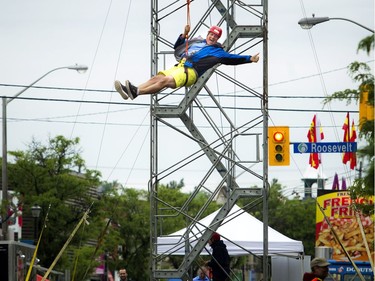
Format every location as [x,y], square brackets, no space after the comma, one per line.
[137,156]
[302,110]
[256,87]
[72,131]
[115,74]
[322,81]
[288,191]
[130,145]
[93,60]
[101,238]
[142,105]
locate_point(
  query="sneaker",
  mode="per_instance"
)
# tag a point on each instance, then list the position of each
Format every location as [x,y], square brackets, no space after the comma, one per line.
[121,89]
[132,91]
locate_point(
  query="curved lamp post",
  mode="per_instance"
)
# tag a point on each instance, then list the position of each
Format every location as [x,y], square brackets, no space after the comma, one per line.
[307,23]
[6,101]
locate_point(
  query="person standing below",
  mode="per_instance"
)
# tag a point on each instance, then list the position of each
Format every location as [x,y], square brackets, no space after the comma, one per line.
[319,268]
[220,260]
[201,275]
[201,55]
[123,274]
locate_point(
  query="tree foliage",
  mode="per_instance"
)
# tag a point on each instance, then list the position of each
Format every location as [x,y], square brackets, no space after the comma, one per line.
[291,217]
[54,177]
[361,73]
[296,219]
[118,232]
[127,238]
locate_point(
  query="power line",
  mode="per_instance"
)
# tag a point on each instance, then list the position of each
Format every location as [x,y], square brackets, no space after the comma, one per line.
[176,94]
[208,107]
[111,91]
[53,120]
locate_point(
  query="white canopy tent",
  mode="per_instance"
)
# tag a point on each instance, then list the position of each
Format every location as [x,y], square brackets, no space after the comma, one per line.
[241,232]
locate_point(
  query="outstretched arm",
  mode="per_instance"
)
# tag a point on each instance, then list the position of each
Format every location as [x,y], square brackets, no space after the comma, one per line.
[235,59]
[255,58]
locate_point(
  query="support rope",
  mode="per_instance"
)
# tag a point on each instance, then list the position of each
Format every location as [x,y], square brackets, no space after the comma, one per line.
[188,23]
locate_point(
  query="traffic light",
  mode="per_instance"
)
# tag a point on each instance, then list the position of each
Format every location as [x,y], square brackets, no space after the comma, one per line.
[278,146]
[366,110]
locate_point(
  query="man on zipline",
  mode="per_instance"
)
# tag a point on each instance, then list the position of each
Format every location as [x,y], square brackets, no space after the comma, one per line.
[201,55]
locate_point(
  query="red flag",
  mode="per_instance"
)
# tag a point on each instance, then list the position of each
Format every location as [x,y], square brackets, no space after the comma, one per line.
[346,128]
[315,136]
[353,156]
[350,135]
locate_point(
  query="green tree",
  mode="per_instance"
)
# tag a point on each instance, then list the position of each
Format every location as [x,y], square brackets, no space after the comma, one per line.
[121,236]
[275,199]
[54,175]
[361,73]
[291,217]
[296,219]
[127,237]
[129,212]
[169,195]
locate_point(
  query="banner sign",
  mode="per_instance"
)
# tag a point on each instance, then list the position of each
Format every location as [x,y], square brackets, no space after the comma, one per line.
[337,209]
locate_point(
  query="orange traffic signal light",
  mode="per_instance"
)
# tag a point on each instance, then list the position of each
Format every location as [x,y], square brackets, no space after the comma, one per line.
[278,146]
[366,110]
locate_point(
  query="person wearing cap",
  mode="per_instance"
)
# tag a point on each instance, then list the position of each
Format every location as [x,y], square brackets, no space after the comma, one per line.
[220,260]
[319,268]
[201,55]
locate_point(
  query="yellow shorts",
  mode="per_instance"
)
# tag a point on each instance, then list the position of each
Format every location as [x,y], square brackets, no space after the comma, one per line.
[179,75]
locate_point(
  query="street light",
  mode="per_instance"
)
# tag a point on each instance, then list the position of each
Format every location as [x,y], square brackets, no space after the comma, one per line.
[35,212]
[6,101]
[307,23]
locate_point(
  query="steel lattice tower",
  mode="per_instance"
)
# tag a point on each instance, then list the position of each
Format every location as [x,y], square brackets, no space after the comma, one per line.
[225,135]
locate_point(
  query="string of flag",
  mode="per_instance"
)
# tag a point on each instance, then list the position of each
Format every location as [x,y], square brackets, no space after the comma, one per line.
[315,135]
[350,135]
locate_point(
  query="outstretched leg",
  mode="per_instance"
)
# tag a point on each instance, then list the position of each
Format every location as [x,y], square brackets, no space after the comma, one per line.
[152,86]
[156,84]
[121,89]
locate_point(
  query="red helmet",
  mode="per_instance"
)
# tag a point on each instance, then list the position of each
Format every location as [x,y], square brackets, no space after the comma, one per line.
[216,30]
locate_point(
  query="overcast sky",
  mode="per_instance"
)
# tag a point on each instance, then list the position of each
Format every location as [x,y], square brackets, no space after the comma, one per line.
[112,39]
